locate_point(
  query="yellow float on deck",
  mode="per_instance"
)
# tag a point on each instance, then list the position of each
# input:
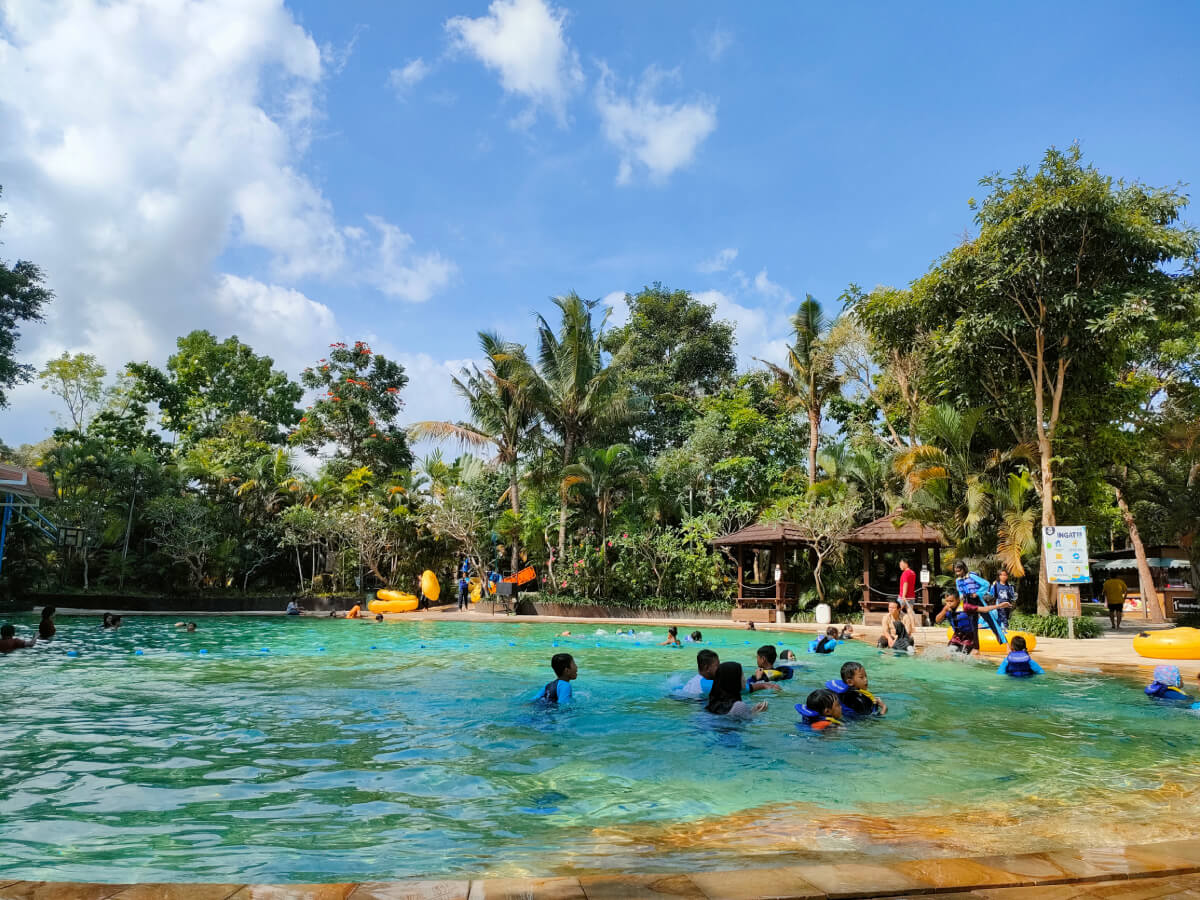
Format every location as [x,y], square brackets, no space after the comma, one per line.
[989,644]
[393,602]
[1173,643]
[430,587]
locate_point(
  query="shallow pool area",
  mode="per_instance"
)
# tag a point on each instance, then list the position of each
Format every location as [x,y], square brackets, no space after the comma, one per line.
[309,750]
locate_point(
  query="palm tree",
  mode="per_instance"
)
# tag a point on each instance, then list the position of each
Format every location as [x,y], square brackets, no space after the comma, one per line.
[603,473]
[502,414]
[810,378]
[576,393]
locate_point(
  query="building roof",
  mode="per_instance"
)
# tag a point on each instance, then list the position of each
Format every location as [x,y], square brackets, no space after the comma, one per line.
[28,483]
[896,530]
[763,534]
[1125,565]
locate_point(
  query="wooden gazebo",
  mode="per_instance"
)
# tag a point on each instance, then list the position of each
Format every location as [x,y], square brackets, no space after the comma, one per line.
[765,599]
[896,532]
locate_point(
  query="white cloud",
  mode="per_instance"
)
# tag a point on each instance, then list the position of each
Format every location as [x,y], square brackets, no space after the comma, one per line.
[717,42]
[752,325]
[524,42]
[769,288]
[718,263]
[398,272]
[614,301]
[660,137]
[277,321]
[411,74]
[139,140]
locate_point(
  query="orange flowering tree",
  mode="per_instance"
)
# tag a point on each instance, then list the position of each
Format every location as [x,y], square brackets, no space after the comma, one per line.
[355,407]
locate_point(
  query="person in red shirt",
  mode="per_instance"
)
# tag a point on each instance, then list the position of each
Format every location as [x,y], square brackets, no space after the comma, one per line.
[908,586]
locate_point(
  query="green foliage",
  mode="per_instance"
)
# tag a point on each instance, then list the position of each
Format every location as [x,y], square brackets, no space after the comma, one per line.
[22,298]
[208,382]
[76,380]
[671,352]
[1055,626]
[356,408]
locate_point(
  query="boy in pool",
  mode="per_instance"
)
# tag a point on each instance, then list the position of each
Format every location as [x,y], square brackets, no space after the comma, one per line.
[1018,663]
[851,691]
[821,710]
[826,643]
[1167,685]
[694,638]
[701,683]
[766,667]
[9,640]
[565,671]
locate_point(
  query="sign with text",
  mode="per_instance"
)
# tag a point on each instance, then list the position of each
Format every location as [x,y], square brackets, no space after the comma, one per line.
[1065,553]
[1068,602]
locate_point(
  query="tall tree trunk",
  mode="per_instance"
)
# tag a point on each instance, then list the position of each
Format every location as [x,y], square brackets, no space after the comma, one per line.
[514,500]
[299,568]
[125,547]
[1045,600]
[568,452]
[814,434]
[1151,600]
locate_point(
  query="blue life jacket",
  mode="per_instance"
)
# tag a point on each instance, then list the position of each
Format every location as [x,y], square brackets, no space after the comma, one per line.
[853,700]
[1160,691]
[823,644]
[1018,665]
[815,720]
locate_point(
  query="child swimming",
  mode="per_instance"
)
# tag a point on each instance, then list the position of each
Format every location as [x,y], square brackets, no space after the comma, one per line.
[694,638]
[1167,685]
[725,699]
[826,643]
[766,667]
[1018,663]
[701,683]
[672,638]
[565,671]
[851,691]
[821,710]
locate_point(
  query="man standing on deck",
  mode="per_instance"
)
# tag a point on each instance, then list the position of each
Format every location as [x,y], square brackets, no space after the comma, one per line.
[1115,590]
[908,586]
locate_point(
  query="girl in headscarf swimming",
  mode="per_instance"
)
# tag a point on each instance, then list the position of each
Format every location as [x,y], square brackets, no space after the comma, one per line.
[725,698]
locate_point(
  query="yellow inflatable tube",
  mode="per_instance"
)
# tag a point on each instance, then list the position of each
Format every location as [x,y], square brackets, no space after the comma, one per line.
[989,644]
[393,602]
[429,586]
[1172,643]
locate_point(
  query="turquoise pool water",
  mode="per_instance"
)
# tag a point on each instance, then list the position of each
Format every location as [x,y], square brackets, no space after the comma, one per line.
[355,751]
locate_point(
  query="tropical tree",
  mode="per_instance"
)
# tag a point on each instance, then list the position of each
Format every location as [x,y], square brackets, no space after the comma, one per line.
[503,415]
[76,380]
[355,409]
[576,391]
[810,377]
[603,474]
[22,297]
[1038,310]
[208,382]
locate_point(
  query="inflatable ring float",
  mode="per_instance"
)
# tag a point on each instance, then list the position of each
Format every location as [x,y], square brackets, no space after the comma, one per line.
[393,602]
[1172,643]
[989,644]
[430,587]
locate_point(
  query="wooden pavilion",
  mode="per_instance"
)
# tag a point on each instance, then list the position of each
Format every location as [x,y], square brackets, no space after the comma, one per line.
[897,533]
[759,550]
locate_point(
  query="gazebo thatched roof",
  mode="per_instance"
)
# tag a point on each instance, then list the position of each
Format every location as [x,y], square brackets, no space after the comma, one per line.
[762,535]
[895,530]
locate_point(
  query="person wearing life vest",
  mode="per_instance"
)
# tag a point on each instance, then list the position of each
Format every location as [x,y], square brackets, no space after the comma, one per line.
[1018,663]
[821,710]
[851,690]
[963,618]
[1167,685]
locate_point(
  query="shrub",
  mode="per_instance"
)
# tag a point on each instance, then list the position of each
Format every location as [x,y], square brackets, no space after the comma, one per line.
[1054,626]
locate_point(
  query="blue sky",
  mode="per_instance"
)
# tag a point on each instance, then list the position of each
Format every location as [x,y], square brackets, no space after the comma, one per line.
[412,173]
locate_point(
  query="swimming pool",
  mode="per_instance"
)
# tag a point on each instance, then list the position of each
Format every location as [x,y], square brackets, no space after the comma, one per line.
[310,750]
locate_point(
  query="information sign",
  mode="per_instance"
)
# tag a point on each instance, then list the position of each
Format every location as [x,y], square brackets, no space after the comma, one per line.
[1064,550]
[1068,602]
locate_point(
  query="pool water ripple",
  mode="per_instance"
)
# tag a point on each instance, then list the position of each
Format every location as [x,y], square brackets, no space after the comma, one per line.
[425,756]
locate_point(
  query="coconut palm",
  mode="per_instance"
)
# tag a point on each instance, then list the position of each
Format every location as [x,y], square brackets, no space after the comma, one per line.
[503,415]
[603,473]
[810,377]
[577,394]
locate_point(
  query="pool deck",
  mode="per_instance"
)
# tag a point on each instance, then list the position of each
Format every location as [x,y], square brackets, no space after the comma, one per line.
[1132,872]
[1112,653]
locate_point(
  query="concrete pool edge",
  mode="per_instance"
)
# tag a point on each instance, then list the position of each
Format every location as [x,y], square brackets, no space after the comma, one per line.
[895,878]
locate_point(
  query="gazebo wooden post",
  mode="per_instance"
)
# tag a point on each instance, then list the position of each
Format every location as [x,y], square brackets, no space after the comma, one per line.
[777,560]
[866,576]
[739,565]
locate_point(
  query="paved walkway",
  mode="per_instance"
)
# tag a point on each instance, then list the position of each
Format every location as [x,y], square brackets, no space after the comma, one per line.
[1134,872]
